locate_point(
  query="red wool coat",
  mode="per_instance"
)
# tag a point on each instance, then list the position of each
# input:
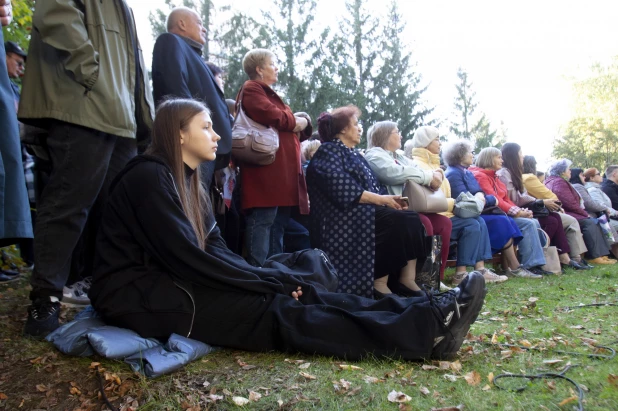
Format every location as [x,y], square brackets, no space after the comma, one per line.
[491,185]
[281,183]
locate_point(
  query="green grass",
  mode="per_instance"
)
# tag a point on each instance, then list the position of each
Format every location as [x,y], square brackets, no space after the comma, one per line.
[509,315]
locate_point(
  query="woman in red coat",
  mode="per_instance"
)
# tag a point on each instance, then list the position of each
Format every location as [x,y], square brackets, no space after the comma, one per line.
[268,193]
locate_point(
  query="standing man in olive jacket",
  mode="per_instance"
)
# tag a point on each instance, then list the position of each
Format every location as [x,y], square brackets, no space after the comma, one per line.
[86,84]
[179,70]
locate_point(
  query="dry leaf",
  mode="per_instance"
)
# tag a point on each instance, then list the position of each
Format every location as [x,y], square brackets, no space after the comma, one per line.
[424,390]
[304,366]
[280,403]
[613,380]
[248,367]
[345,384]
[94,364]
[307,376]
[444,365]
[525,343]
[41,388]
[458,408]
[354,391]
[486,387]
[473,378]
[205,384]
[568,400]
[449,377]
[3,396]
[490,377]
[405,407]
[551,385]
[577,327]
[75,391]
[494,339]
[294,361]
[226,391]
[398,396]
[455,366]
[214,397]
[240,401]
[533,299]
[506,354]
[595,332]
[254,396]
[553,361]
[429,367]
[349,367]
[372,380]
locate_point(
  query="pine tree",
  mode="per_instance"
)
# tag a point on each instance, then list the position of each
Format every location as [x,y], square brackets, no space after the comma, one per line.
[464,106]
[396,93]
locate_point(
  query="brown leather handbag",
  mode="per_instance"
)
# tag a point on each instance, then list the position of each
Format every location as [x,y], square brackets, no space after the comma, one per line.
[422,199]
[252,142]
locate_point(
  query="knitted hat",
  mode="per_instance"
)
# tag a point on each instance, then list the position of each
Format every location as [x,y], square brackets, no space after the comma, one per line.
[423,136]
[589,173]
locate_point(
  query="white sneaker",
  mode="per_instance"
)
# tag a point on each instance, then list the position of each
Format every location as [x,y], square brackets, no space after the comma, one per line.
[77,293]
[444,288]
[521,272]
[490,276]
[459,277]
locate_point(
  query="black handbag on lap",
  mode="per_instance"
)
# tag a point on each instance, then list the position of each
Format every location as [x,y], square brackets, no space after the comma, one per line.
[538,209]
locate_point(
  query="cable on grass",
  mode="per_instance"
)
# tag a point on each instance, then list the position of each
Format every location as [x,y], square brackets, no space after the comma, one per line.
[102,391]
[543,376]
[606,304]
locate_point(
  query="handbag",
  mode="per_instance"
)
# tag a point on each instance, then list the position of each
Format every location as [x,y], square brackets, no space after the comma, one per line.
[429,276]
[467,205]
[252,142]
[538,209]
[492,210]
[552,260]
[423,199]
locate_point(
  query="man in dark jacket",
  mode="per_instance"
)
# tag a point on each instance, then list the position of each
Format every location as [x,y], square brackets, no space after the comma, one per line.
[87,86]
[610,185]
[179,70]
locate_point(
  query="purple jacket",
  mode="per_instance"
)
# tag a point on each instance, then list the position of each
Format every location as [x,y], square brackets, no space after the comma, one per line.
[571,201]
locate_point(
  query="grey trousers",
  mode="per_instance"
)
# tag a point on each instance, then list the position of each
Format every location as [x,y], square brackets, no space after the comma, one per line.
[574,235]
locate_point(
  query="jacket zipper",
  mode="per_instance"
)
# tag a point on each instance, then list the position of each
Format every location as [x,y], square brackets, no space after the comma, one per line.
[192,302]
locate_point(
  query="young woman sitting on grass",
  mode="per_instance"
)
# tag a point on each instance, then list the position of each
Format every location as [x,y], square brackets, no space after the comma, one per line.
[163,268]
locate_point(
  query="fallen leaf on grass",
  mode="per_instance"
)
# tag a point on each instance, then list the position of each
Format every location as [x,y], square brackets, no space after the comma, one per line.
[307,376]
[490,377]
[486,387]
[372,380]
[551,385]
[75,391]
[254,396]
[227,392]
[429,367]
[455,366]
[240,401]
[354,391]
[506,354]
[349,367]
[248,367]
[613,380]
[405,407]
[449,377]
[341,385]
[424,390]
[280,402]
[533,299]
[494,339]
[577,327]
[595,332]
[473,378]
[41,388]
[294,361]
[213,397]
[568,400]
[458,408]
[525,343]
[589,341]
[398,396]
[3,396]
[304,366]
[552,361]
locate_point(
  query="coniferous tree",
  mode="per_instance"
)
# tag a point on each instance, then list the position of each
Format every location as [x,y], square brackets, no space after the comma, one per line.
[464,107]
[396,93]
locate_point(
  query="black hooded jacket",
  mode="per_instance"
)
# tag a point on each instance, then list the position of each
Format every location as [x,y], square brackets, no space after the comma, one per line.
[148,257]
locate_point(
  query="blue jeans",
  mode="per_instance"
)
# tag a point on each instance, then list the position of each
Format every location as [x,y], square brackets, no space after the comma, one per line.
[529,248]
[264,233]
[472,240]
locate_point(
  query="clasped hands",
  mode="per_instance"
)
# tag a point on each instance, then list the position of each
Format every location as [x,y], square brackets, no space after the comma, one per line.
[302,121]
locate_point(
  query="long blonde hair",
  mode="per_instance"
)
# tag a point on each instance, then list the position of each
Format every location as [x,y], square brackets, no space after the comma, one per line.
[171,117]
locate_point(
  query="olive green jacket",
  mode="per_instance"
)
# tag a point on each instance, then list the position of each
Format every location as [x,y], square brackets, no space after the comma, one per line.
[82,69]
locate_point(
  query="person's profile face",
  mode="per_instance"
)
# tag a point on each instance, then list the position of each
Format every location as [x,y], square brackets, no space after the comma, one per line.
[195,29]
[199,141]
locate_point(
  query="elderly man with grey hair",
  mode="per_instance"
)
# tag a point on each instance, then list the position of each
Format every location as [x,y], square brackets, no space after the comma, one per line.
[557,181]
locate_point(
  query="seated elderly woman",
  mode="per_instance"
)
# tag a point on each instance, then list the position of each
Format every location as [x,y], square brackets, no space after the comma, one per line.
[535,187]
[503,232]
[557,181]
[393,170]
[592,182]
[594,208]
[511,174]
[489,161]
[366,232]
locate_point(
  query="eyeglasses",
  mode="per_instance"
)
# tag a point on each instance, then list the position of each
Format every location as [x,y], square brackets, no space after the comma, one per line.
[472,152]
[20,63]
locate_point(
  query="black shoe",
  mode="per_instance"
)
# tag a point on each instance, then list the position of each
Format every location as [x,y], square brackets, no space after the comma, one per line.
[575,265]
[586,264]
[539,271]
[378,295]
[459,309]
[403,291]
[42,317]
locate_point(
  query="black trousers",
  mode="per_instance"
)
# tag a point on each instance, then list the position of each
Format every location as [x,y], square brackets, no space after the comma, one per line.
[400,237]
[332,324]
[593,237]
[84,162]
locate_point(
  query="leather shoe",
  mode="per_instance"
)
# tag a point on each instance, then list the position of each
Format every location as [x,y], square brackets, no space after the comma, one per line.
[539,271]
[378,295]
[403,291]
[575,265]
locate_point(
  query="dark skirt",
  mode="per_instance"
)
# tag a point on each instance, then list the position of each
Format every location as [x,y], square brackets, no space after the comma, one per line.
[400,237]
[501,229]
